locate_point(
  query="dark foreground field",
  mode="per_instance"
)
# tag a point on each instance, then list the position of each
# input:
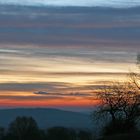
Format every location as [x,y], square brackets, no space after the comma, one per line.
[135,136]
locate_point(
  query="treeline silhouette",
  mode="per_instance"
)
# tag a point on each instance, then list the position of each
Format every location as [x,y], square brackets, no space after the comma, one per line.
[26,128]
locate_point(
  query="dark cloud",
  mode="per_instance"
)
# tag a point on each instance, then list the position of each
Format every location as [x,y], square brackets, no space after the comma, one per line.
[32,86]
[74,94]
[70,26]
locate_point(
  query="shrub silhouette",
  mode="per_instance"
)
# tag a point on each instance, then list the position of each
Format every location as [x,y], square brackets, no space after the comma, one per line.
[61,133]
[120,126]
[84,135]
[2,133]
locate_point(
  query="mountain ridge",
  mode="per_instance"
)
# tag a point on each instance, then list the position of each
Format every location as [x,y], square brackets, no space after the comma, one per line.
[47,117]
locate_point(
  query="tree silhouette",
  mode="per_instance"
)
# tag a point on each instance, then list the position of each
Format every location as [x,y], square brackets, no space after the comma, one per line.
[121,102]
[24,128]
[135,76]
[138,59]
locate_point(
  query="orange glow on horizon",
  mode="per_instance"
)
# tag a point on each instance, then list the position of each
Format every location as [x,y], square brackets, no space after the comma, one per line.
[49,103]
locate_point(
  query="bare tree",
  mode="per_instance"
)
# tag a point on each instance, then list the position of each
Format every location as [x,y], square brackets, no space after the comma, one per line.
[138,59]
[135,77]
[120,101]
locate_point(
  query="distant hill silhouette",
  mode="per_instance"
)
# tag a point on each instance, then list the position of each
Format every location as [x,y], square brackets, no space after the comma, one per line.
[47,118]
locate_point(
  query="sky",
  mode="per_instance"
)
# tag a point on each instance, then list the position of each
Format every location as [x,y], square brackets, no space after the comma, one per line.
[103,3]
[60,57]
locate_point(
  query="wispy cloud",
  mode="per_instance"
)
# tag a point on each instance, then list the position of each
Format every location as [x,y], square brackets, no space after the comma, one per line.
[77,94]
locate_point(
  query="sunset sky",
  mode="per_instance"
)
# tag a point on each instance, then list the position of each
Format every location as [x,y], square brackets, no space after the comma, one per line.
[60,56]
